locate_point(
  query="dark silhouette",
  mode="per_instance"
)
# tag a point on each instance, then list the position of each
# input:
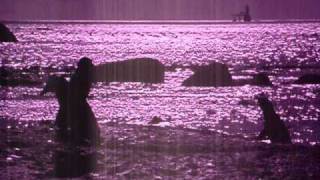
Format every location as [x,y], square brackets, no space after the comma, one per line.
[81,80]
[6,35]
[83,124]
[274,128]
[74,163]
[215,74]
[247,16]
[155,120]
[59,86]
[4,74]
[261,79]
[145,70]
[243,16]
[75,120]
[308,79]
[13,77]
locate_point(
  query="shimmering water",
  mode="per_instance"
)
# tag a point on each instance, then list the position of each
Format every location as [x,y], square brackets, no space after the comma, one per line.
[283,51]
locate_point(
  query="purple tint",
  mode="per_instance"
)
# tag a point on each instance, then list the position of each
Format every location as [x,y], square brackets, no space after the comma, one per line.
[202,132]
[269,47]
[155,9]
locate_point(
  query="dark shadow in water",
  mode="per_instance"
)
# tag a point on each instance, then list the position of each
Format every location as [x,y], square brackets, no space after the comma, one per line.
[74,163]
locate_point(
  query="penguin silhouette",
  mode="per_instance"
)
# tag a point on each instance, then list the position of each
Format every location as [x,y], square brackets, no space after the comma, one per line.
[274,128]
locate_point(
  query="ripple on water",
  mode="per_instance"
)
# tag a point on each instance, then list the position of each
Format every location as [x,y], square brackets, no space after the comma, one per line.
[270,48]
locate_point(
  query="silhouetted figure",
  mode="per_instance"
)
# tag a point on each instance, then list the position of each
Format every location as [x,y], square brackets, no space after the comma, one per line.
[83,124]
[59,86]
[75,120]
[81,80]
[274,128]
[6,35]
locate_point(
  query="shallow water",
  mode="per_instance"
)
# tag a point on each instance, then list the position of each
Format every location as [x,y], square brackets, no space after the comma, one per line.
[150,152]
[283,51]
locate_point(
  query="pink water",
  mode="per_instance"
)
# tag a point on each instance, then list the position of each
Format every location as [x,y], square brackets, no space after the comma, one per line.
[246,48]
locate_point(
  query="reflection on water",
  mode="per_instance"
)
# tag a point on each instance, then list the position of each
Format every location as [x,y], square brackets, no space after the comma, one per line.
[230,110]
[74,163]
[240,45]
[283,51]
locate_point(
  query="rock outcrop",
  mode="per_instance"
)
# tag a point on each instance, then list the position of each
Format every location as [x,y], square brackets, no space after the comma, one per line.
[214,74]
[6,35]
[145,70]
[12,77]
[217,74]
[308,79]
[261,79]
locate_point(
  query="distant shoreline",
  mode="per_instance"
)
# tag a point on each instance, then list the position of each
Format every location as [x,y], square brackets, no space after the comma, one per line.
[182,22]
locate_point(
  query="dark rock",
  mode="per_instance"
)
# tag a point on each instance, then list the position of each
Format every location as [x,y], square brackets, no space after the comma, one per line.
[145,70]
[11,77]
[155,120]
[308,79]
[315,35]
[261,79]
[6,35]
[214,74]
[217,74]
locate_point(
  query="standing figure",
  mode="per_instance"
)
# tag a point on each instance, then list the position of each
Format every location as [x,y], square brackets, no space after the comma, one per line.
[274,128]
[84,127]
[75,121]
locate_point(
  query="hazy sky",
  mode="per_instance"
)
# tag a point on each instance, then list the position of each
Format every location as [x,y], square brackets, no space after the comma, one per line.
[156,9]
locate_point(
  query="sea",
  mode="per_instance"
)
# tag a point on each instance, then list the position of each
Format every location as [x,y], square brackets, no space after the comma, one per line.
[283,50]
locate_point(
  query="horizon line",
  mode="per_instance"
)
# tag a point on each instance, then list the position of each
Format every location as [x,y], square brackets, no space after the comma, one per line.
[158,21]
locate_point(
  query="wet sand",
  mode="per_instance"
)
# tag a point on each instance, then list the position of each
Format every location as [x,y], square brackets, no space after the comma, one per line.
[152,152]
